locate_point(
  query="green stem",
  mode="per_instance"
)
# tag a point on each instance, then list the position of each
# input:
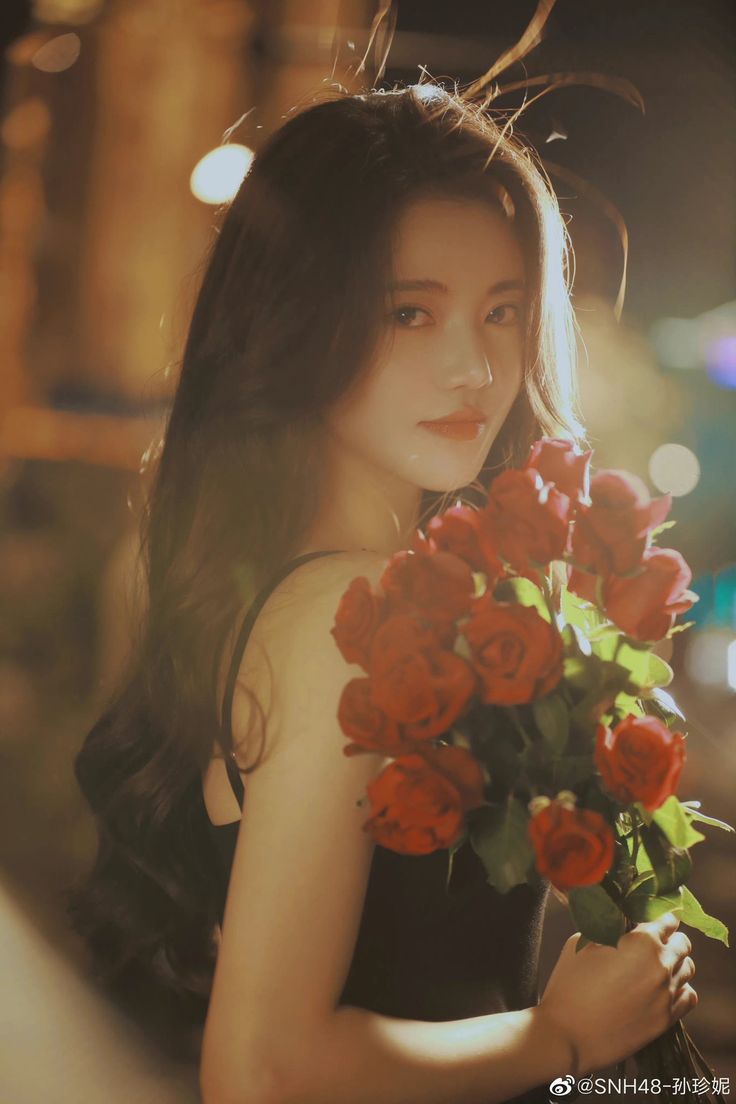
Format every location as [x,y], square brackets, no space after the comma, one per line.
[528,744]
[545,589]
[519,726]
[635,836]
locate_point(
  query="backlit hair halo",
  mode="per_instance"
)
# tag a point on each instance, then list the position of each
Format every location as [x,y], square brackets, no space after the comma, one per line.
[483,93]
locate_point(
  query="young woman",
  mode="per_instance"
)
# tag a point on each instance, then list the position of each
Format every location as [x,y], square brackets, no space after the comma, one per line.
[391,261]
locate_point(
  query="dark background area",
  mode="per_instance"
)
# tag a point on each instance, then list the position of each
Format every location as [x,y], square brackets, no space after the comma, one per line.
[672,171]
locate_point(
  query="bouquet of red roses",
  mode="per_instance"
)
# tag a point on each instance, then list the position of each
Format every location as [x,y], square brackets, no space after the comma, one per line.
[511,677]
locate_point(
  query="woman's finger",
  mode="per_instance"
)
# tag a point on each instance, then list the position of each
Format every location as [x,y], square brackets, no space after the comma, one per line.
[677,947]
[684,972]
[683,1002]
[666,924]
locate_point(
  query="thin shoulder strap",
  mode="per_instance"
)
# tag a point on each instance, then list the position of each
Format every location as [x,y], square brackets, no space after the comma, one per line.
[226,734]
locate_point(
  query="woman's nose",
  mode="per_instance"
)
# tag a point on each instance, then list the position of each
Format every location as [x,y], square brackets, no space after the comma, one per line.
[465,364]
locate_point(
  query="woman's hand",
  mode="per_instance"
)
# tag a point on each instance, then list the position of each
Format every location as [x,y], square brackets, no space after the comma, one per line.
[611,1001]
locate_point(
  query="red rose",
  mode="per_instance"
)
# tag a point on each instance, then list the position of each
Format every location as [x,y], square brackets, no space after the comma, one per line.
[583,584]
[517,654]
[359,614]
[640,760]
[370,729]
[435,586]
[558,462]
[645,605]
[415,681]
[573,847]
[419,802]
[462,769]
[459,530]
[526,519]
[612,533]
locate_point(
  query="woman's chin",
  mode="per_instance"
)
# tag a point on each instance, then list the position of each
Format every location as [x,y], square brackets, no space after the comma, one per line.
[446,483]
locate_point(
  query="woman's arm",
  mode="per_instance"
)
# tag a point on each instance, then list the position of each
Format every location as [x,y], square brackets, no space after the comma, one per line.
[274,1032]
[359,1057]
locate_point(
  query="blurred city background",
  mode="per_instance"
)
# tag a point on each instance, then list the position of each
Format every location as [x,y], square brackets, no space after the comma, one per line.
[124,125]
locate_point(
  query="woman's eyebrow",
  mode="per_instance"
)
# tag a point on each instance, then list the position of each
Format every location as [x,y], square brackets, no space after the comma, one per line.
[437,285]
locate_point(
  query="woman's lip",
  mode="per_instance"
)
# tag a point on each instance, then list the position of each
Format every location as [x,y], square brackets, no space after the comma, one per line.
[458,431]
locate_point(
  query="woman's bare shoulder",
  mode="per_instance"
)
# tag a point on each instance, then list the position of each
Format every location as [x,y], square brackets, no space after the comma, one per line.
[310,593]
[325,574]
[291,632]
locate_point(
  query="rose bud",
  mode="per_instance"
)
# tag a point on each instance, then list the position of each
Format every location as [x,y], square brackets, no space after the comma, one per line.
[611,534]
[559,462]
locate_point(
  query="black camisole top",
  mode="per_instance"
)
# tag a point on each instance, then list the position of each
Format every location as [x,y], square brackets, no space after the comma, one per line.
[425,950]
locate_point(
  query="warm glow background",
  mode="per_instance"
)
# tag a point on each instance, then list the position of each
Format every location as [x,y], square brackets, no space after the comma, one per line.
[123,124]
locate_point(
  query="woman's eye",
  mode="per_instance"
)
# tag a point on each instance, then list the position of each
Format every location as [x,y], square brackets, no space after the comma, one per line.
[404,316]
[506,315]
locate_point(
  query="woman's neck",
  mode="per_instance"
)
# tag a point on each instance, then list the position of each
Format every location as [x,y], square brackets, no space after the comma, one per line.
[363,509]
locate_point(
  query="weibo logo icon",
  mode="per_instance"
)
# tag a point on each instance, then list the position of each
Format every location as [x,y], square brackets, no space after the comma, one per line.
[562,1086]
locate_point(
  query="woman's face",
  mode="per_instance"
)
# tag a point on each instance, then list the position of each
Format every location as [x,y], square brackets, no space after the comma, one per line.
[454,337]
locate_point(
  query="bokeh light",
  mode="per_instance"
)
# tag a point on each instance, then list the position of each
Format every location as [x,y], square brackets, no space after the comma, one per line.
[58,54]
[677,343]
[731,664]
[708,657]
[219,174]
[720,360]
[674,469]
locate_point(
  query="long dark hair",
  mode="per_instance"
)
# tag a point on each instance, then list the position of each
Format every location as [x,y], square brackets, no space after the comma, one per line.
[288,314]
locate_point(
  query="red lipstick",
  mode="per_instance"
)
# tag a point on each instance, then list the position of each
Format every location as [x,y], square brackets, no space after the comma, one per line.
[462,425]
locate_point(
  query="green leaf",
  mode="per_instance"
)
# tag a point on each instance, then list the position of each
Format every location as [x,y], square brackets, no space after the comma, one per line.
[663,705]
[606,636]
[577,671]
[479,583]
[575,641]
[647,671]
[570,770]
[693,914]
[526,593]
[647,876]
[582,942]
[659,674]
[606,680]
[672,865]
[626,704]
[597,916]
[603,644]
[674,822]
[692,810]
[642,906]
[576,611]
[552,718]
[499,836]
